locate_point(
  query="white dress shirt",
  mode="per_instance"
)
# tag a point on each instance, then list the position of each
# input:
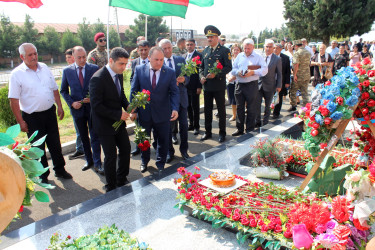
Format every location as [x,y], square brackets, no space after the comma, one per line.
[152,74]
[112,73]
[34,89]
[253,59]
[83,70]
[145,61]
[166,62]
[190,55]
[332,52]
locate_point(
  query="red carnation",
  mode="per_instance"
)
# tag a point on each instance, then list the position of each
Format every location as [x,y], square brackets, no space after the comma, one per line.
[340,209]
[327,83]
[314,132]
[325,112]
[362,72]
[371,73]
[253,223]
[366,83]
[362,103]
[340,100]
[373,89]
[372,115]
[358,225]
[288,234]
[219,65]
[365,95]
[364,111]
[188,196]
[146,144]
[316,125]
[371,103]
[366,61]
[327,120]
[366,117]
[21,209]
[366,148]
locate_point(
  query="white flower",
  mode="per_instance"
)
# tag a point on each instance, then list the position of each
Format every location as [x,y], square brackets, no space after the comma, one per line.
[11,154]
[356,176]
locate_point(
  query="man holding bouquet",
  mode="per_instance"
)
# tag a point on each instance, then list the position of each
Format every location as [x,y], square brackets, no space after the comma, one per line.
[108,103]
[216,64]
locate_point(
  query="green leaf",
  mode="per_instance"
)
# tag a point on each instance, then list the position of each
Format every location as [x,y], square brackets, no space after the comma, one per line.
[31,137]
[254,240]
[243,239]
[33,168]
[176,206]
[261,240]
[41,196]
[277,245]
[238,237]
[13,131]
[5,140]
[33,153]
[268,244]
[39,141]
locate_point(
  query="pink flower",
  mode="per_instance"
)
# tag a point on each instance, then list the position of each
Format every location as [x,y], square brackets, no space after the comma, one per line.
[301,237]
[197,168]
[193,180]
[181,170]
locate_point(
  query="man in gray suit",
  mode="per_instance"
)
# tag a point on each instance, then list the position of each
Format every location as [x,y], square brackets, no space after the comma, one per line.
[268,84]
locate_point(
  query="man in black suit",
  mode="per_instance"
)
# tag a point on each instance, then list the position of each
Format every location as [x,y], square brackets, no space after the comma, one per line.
[285,69]
[194,89]
[107,103]
[142,50]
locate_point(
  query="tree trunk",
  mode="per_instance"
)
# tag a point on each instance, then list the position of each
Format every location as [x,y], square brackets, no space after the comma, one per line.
[326,40]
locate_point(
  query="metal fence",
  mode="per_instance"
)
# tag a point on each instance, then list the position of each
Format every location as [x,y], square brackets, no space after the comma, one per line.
[56,71]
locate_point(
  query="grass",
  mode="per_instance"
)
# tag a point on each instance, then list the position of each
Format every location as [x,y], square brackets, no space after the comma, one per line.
[66,126]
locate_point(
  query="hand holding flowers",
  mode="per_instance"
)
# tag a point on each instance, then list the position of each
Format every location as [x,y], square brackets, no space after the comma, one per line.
[215,69]
[190,67]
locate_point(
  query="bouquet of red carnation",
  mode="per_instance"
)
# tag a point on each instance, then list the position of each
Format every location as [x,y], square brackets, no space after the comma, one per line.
[140,99]
[190,67]
[216,69]
[141,138]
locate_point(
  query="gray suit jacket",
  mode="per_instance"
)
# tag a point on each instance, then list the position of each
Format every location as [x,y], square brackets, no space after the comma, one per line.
[273,79]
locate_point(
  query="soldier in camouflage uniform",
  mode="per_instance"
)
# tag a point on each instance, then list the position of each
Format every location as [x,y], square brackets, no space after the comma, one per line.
[301,72]
[180,49]
[214,85]
[134,53]
[99,56]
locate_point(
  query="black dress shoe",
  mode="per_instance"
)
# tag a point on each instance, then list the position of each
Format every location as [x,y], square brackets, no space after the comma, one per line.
[190,128]
[237,133]
[174,139]
[76,155]
[206,136]
[185,156]
[292,108]
[169,158]
[99,169]
[248,130]
[108,188]
[64,175]
[221,138]
[87,166]
[196,131]
[123,183]
[136,151]
[143,168]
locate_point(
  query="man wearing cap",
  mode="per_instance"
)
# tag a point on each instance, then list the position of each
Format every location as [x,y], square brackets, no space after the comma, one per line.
[301,72]
[214,85]
[223,40]
[134,53]
[99,56]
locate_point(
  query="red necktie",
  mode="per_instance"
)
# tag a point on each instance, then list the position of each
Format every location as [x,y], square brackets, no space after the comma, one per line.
[153,85]
[80,76]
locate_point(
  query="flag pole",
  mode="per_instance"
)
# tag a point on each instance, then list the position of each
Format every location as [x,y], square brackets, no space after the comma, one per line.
[146,28]
[108,32]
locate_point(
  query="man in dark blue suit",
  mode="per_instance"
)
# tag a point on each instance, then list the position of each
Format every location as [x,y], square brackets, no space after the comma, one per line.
[160,80]
[142,50]
[175,62]
[76,77]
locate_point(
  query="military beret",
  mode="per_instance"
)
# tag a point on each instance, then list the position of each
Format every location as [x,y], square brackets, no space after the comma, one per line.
[98,35]
[297,42]
[211,30]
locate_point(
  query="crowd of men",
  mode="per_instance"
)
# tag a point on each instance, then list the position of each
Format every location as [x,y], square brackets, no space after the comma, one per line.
[92,86]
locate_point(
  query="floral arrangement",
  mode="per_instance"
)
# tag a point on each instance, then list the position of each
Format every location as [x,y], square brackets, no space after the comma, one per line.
[335,101]
[27,156]
[267,152]
[105,238]
[272,216]
[190,67]
[216,68]
[140,99]
[141,138]
[364,142]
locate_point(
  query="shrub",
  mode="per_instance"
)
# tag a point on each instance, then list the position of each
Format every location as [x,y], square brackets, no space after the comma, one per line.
[7,118]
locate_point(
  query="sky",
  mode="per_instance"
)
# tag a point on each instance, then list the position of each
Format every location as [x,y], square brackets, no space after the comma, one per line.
[231,17]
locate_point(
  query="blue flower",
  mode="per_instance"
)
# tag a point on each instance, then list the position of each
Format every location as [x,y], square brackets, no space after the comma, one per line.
[331,106]
[335,90]
[354,79]
[323,92]
[340,80]
[336,116]
[351,101]
[356,92]
[329,96]
[319,119]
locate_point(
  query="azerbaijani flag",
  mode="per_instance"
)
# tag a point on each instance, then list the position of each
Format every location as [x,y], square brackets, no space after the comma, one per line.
[202,3]
[154,7]
[30,3]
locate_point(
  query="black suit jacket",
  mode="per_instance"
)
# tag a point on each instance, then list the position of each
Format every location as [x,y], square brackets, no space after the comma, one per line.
[285,68]
[194,82]
[135,63]
[106,104]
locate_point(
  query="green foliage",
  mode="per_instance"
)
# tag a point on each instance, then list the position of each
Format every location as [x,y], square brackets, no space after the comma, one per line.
[50,42]
[114,38]
[28,34]
[8,35]
[68,41]
[85,33]
[105,238]
[98,27]
[6,115]
[155,27]
[321,19]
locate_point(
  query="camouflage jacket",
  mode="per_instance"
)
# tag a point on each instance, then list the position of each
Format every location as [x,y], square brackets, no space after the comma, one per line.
[302,58]
[97,57]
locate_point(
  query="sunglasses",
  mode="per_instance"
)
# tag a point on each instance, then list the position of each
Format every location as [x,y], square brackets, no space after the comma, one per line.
[102,40]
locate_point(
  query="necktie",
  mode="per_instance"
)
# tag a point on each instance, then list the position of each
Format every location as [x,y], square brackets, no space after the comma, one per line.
[117,82]
[266,59]
[80,76]
[153,85]
[170,63]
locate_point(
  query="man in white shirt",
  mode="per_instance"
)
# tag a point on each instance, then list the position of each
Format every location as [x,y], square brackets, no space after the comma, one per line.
[33,90]
[333,49]
[306,46]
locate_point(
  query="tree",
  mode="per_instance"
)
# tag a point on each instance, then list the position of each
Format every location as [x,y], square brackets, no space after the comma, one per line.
[321,19]
[68,41]
[99,27]
[8,37]
[113,39]
[28,33]
[50,42]
[155,27]
[85,33]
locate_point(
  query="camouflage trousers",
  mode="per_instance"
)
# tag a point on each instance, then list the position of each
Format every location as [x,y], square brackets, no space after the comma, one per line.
[301,85]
